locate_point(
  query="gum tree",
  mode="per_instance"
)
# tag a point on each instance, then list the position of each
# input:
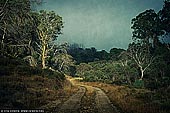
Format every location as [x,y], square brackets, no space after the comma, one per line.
[141,55]
[164,15]
[49,28]
[16,25]
[146,27]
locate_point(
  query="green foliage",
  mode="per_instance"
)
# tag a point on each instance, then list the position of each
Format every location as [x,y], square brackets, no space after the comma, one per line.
[86,55]
[107,72]
[16,28]
[139,52]
[115,53]
[82,68]
[63,62]
[102,55]
[164,15]
[157,75]
[146,26]
[138,84]
[49,27]
[90,77]
[82,55]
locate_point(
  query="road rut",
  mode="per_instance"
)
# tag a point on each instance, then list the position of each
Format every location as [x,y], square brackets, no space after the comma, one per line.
[72,105]
[103,103]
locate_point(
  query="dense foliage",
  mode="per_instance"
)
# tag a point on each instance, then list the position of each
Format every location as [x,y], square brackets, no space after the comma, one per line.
[29,54]
[145,63]
[85,55]
[23,36]
[108,72]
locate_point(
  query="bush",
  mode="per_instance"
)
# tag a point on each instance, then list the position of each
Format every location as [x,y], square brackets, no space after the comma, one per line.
[90,77]
[5,70]
[138,84]
[53,74]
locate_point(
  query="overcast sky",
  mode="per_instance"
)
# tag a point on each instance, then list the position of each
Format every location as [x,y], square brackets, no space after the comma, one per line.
[102,24]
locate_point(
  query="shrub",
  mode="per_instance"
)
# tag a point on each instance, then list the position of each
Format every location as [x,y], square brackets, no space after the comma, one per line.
[53,74]
[138,84]
[90,77]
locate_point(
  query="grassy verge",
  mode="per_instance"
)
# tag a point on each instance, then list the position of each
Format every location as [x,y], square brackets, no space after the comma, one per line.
[131,100]
[25,87]
[30,92]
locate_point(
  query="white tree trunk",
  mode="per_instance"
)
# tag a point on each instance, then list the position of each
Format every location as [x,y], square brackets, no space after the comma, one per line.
[142,73]
[43,56]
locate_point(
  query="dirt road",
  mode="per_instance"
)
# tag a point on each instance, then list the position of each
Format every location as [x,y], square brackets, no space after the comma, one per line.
[72,105]
[98,103]
[103,103]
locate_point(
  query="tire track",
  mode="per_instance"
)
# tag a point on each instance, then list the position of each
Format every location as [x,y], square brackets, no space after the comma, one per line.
[103,103]
[72,105]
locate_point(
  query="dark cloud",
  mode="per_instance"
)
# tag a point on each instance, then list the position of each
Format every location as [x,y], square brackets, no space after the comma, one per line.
[99,23]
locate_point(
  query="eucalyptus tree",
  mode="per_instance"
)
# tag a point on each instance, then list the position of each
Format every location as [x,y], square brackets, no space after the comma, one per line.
[60,60]
[140,54]
[164,15]
[146,27]
[16,27]
[49,27]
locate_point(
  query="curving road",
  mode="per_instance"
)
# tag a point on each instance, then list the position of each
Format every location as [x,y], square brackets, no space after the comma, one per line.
[73,104]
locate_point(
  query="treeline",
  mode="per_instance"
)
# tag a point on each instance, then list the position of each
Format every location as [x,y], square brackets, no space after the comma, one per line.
[85,55]
[30,36]
[146,62]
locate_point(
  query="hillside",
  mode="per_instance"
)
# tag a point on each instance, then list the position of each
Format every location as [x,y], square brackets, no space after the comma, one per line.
[40,71]
[25,87]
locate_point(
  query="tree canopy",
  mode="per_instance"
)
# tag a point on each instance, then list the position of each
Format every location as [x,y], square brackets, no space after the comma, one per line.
[49,28]
[16,26]
[146,27]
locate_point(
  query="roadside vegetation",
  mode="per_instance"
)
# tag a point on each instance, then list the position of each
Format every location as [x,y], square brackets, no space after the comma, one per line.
[27,80]
[136,79]
[135,100]
[33,66]
[26,87]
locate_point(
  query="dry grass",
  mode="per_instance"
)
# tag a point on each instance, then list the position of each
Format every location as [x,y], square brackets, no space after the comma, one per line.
[127,99]
[23,92]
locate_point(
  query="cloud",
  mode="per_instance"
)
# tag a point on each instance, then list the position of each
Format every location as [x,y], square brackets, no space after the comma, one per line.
[99,23]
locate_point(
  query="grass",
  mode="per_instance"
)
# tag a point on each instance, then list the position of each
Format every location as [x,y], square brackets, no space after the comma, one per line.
[30,92]
[132,100]
[25,87]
